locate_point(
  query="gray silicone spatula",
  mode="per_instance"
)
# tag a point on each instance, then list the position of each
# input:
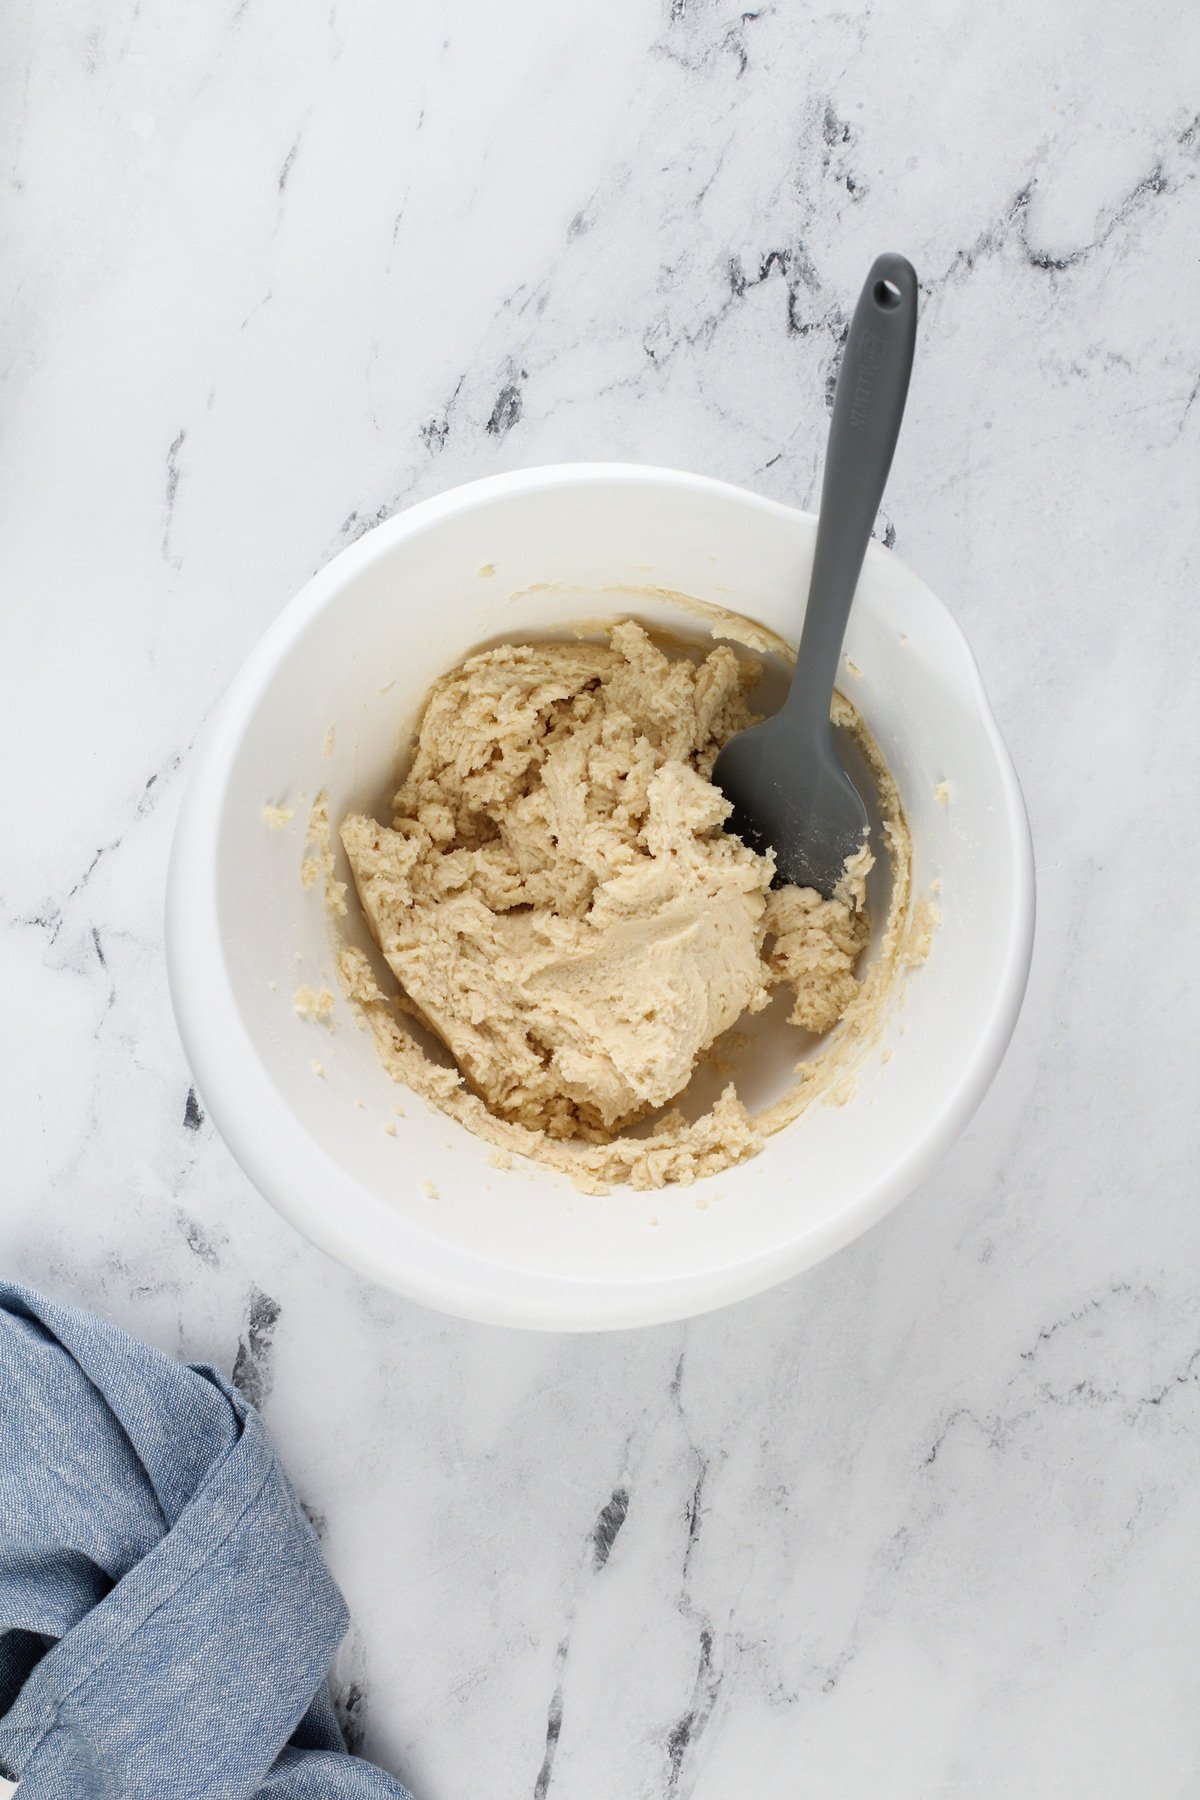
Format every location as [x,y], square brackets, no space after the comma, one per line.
[789,790]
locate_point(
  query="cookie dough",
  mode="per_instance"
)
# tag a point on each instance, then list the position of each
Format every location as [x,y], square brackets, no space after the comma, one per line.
[559,904]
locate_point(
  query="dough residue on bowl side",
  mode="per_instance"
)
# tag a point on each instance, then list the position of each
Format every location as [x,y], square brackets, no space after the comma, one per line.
[321,865]
[314,1003]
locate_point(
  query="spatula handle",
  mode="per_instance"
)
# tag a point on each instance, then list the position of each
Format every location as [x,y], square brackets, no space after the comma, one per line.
[868,406]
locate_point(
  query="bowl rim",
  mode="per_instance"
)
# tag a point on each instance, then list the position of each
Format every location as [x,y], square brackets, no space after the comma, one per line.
[238,1092]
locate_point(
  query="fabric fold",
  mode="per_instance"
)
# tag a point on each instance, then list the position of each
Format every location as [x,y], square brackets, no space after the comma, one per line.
[167,1621]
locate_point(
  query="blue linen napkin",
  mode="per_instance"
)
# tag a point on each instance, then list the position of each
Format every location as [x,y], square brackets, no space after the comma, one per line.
[166,1617]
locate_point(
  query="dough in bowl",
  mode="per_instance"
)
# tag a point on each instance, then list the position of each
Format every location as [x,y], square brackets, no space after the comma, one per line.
[558,901]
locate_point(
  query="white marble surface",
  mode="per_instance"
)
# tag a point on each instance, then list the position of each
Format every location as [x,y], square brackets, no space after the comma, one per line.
[926,1521]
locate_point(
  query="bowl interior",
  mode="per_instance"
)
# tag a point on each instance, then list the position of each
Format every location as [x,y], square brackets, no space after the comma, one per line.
[328,702]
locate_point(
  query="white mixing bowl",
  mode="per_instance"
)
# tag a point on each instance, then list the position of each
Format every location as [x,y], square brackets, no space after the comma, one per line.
[423,1211]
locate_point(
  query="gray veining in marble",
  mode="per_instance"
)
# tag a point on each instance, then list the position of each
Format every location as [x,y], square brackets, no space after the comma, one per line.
[925,1522]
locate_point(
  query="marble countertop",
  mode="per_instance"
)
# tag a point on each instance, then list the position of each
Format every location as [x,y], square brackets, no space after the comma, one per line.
[925,1521]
